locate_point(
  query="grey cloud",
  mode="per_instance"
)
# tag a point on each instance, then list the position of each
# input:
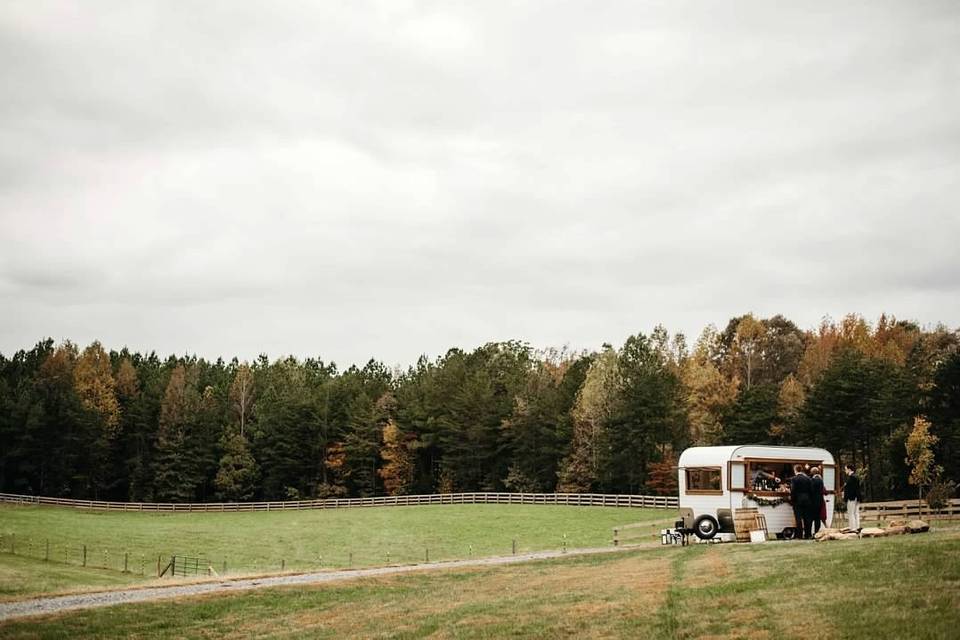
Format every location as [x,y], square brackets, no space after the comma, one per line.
[386,179]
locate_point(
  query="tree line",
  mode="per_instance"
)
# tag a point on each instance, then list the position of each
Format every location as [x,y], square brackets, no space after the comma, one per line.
[118,425]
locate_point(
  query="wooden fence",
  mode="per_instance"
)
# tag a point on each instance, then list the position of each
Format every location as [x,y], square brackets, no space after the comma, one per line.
[908,509]
[869,511]
[569,499]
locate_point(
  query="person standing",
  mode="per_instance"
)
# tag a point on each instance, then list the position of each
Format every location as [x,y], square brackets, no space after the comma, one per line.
[852,496]
[818,507]
[800,497]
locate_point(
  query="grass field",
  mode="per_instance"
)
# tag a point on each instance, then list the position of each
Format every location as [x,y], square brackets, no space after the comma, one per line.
[302,540]
[901,587]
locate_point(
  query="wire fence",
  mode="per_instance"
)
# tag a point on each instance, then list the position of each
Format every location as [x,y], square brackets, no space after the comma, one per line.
[77,554]
[138,562]
[151,563]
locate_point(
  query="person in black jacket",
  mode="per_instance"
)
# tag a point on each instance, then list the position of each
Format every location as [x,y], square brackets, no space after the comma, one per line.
[852,495]
[800,497]
[816,493]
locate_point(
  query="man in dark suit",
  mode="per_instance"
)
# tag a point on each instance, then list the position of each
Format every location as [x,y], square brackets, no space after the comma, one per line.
[800,497]
[816,498]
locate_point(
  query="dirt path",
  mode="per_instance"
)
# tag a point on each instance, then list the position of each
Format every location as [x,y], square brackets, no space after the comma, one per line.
[58,604]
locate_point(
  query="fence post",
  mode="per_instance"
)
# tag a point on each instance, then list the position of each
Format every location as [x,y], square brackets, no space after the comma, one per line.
[46,557]
[283,564]
[426,554]
[84,555]
[514,546]
[158,565]
[224,566]
[13,543]
[350,564]
[126,561]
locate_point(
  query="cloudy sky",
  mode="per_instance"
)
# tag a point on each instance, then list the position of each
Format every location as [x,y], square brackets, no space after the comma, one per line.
[351,180]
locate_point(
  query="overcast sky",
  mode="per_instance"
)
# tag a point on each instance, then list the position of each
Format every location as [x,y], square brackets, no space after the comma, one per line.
[347,180]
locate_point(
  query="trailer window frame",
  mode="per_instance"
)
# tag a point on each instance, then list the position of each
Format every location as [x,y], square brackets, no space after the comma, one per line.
[704,492]
[750,465]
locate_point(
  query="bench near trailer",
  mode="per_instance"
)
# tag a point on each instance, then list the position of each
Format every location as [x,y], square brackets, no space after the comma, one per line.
[714,481]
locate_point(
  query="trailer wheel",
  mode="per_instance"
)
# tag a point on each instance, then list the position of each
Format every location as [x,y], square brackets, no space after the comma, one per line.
[789,533]
[706,527]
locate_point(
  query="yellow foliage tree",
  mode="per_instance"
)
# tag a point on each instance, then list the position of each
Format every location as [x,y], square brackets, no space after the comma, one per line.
[95,386]
[748,343]
[128,384]
[241,394]
[707,390]
[398,467]
[919,445]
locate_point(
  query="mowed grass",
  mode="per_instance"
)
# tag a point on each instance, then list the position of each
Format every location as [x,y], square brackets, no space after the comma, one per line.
[22,576]
[263,542]
[902,587]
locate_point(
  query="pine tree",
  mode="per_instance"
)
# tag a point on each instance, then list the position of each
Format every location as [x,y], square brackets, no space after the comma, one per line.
[238,474]
[176,477]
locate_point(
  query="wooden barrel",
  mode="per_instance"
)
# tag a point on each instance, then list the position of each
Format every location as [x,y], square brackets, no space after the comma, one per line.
[743,521]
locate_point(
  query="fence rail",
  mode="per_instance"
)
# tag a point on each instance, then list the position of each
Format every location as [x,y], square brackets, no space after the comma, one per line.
[904,509]
[569,499]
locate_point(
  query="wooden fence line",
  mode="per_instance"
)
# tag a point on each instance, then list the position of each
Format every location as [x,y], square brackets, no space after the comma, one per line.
[568,499]
[906,509]
[871,511]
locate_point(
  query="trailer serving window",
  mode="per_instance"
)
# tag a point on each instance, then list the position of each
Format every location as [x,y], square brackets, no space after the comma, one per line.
[704,480]
[771,475]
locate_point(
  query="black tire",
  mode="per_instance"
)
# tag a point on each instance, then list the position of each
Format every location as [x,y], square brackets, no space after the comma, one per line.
[706,527]
[789,533]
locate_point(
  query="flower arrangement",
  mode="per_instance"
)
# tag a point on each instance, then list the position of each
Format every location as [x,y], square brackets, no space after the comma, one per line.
[767,502]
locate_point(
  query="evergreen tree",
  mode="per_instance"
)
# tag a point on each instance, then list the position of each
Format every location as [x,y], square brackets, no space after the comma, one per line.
[943,409]
[238,474]
[752,416]
[176,476]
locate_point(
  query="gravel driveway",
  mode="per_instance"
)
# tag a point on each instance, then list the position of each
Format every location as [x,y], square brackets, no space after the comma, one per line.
[58,604]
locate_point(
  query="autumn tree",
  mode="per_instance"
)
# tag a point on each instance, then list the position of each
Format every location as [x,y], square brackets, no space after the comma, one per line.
[748,347]
[662,475]
[398,460]
[176,476]
[707,392]
[595,405]
[241,395]
[919,446]
[96,387]
[790,400]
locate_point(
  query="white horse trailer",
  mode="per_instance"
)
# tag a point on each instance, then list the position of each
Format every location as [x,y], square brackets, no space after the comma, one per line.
[716,480]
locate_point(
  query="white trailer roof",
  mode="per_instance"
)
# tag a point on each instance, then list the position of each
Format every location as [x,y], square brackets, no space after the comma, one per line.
[705,456]
[712,456]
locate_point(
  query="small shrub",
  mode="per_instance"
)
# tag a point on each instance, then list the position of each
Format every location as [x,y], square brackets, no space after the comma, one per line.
[939,494]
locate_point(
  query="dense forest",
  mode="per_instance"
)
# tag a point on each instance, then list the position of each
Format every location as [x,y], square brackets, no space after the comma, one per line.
[92,423]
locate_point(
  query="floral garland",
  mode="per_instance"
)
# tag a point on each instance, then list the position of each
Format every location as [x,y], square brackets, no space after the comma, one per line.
[767,502]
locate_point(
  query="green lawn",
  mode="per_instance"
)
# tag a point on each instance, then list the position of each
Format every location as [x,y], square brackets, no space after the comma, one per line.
[302,540]
[901,587]
[23,576]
